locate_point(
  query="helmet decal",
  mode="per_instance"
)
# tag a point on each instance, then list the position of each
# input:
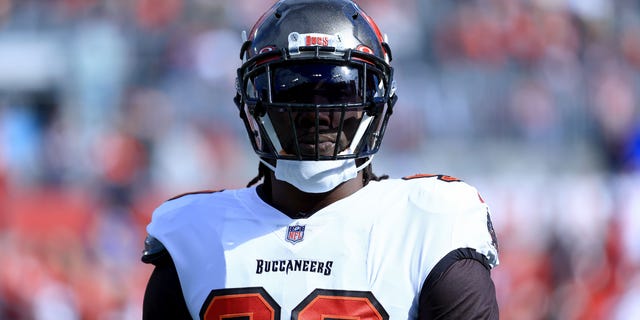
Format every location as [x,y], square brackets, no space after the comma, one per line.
[297,40]
[365,49]
[267,49]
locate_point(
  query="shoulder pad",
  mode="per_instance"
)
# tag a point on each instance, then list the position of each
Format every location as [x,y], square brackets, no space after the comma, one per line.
[440,177]
[153,250]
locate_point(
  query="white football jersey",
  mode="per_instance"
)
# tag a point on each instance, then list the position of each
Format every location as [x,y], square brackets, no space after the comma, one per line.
[365,256]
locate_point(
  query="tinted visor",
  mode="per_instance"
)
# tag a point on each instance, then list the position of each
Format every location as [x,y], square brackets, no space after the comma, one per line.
[316,83]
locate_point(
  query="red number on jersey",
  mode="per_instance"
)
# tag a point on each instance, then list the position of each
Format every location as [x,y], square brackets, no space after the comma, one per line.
[241,303]
[339,304]
[256,304]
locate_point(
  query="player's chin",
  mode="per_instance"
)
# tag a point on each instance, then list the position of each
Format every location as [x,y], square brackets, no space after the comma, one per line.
[323,149]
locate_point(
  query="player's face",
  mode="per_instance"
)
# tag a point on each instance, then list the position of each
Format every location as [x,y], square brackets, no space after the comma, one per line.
[300,128]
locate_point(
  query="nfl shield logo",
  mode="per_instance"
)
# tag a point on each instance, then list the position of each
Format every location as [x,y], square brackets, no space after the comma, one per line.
[295,234]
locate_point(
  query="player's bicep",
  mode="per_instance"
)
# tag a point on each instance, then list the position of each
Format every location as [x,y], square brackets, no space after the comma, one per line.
[460,287]
[163,298]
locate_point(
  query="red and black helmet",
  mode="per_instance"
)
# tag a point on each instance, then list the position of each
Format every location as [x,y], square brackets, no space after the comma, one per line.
[315,83]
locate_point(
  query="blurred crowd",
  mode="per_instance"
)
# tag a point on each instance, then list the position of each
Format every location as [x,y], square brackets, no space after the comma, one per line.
[109,107]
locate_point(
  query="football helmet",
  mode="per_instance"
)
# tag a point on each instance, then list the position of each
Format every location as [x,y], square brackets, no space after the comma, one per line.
[315,82]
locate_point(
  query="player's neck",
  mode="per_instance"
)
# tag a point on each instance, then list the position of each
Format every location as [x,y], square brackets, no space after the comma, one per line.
[297,204]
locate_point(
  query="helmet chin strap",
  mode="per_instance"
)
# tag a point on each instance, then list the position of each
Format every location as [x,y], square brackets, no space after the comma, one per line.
[365,164]
[312,176]
[358,168]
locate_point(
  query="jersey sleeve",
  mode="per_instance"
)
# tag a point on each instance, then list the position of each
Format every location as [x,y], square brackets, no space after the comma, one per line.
[474,228]
[459,285]
[183,230]
[163,297]
[463,217]
[154,250]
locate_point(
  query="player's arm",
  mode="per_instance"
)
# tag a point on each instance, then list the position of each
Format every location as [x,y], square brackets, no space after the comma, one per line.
[163,297]
[459,287]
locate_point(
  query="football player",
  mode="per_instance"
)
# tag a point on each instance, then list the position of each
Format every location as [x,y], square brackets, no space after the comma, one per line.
[321,236]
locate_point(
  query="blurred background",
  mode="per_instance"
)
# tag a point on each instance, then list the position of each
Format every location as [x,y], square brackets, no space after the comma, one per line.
[109,107]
